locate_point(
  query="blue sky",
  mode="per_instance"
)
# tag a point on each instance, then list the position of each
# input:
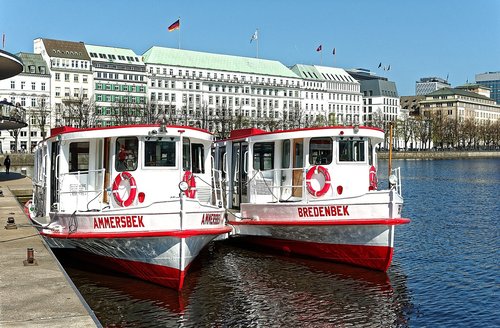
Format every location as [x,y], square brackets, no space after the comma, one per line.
[455,38]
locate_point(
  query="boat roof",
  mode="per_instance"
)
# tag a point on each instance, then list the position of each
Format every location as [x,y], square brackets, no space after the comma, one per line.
[254,134]
[69,133]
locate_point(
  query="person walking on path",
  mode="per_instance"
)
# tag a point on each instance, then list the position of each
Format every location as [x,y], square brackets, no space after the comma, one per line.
[6,162]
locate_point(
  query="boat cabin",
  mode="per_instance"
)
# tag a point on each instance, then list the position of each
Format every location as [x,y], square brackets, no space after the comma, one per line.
[120,167]
[303,165]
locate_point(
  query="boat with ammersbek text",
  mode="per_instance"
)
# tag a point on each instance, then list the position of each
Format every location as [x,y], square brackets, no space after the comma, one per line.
[142,199]
[312,192]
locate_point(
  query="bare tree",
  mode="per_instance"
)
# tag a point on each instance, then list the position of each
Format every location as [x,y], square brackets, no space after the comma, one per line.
[78,111]
[422,130]
[40,115]
[405,129]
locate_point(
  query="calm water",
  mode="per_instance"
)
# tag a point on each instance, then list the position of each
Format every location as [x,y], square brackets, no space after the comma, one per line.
[444,272]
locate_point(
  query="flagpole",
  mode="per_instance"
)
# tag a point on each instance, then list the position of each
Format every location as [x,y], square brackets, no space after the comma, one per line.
[179,36]
[258,43]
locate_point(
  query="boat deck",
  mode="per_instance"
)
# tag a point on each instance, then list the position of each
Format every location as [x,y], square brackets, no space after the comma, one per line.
[38,293]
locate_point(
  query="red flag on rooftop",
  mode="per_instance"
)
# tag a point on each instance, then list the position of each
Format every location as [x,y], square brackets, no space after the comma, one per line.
[320,48]
[175,25]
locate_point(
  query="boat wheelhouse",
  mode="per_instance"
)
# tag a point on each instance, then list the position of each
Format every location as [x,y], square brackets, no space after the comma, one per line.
[142,199]
[312,192]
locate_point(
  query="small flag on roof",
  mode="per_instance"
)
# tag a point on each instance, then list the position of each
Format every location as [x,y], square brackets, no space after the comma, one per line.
[255,36]
[320,48]
[175,25]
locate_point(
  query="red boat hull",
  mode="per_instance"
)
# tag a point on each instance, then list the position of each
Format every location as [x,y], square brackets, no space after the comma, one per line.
[372,257]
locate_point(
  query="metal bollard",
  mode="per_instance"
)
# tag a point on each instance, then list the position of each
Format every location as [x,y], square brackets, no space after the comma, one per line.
[11,223]
[30,257]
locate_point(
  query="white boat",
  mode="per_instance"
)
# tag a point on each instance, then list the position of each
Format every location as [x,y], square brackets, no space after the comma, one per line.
[142,199]
[312,192]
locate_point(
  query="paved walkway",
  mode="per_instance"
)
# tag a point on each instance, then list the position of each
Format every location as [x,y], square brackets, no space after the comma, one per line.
[39,295]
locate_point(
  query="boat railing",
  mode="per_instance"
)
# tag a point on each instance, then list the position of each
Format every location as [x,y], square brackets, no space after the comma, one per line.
[263,186]
[81,190]
[210,191]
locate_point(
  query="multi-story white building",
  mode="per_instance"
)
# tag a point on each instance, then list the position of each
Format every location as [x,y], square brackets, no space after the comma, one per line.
[30,90]
[71,80]
[380,98]
[120,82]
[204,89]
[330,94]
[89,85]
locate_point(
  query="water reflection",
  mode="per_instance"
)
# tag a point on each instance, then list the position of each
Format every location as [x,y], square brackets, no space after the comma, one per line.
[234,286]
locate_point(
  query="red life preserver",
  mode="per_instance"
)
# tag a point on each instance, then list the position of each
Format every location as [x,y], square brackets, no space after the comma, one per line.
[132,192]
[313,170]
[189,178]
[373,179]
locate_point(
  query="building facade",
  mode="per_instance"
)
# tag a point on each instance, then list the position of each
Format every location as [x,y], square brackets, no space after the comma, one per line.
[329,95]
[119,86]
[29,90]
[427,85]
[70,80]
[381,103]
[89,85]
[459,104]
[490,80]
[208,90]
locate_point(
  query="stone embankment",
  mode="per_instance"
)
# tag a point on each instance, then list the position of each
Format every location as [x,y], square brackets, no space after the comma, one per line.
[446,154]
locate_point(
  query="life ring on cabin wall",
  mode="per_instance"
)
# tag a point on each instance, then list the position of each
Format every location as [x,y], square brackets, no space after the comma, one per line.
[318,169]
[189,178]
[131,193]
[373,179]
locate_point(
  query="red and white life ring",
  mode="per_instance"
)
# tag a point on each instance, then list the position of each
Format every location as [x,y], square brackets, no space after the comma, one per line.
[132,190]
[373,179]
[314,170]
[189,178]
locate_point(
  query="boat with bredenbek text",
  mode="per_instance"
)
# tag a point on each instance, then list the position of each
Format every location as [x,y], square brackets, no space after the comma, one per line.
[312,192]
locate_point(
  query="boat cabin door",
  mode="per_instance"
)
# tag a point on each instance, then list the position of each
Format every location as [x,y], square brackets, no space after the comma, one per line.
[239,169]
[298,164]
[54,173]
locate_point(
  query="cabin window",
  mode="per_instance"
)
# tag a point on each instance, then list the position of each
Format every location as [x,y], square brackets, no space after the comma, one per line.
[186,154]
[320,151]
[78,156]
[159,153]
[197,156]
[285,156]
[126,153]
[263,156]
[351,151]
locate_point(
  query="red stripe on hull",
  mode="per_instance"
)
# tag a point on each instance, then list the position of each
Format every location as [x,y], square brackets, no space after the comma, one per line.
[138,234]
[372,257]
[306,222]
[158,274]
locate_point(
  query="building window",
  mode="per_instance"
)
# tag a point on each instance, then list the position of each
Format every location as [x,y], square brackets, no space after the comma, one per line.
[12,84]
[58,76]
[43,86]
[66,77]
[23,84]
